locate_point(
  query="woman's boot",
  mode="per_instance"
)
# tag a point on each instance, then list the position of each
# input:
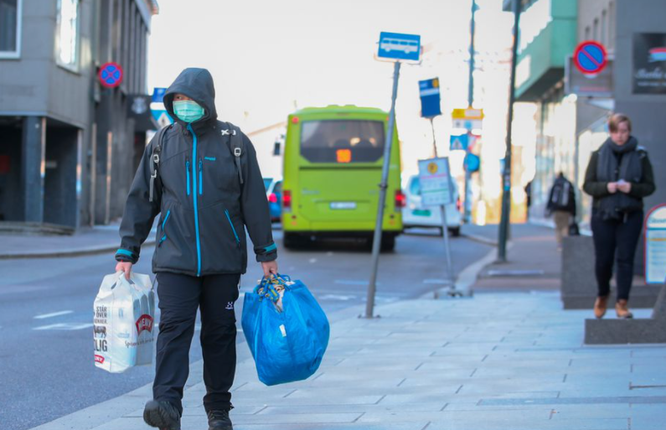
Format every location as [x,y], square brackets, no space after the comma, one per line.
[622,310]
[600,306]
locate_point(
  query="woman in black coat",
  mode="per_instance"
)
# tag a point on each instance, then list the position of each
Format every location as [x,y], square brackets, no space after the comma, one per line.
[618,176]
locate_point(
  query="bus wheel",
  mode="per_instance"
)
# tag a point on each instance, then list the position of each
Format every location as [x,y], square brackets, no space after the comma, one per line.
[388,242]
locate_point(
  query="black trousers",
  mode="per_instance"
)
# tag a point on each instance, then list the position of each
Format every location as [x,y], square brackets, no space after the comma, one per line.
[179,298]
[616,240]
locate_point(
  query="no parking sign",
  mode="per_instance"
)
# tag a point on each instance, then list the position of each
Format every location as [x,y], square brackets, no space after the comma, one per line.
[110,75]
[590,57]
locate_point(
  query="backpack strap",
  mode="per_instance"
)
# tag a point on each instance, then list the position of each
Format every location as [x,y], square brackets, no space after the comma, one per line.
[155,161]
[236,145]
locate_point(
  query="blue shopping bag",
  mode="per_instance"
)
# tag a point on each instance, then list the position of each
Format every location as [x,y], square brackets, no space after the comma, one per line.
[287,335]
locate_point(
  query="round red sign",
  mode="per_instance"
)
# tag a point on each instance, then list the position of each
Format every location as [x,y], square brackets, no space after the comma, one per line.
[110,75]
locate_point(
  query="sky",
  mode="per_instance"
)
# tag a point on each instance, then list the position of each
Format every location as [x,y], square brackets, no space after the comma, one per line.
[269,58]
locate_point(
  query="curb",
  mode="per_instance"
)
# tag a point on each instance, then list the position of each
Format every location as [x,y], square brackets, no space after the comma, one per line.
[479,239]
[94,250]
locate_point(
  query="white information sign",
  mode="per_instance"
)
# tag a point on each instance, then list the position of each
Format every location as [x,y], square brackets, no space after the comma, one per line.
[435,178]
[655,246]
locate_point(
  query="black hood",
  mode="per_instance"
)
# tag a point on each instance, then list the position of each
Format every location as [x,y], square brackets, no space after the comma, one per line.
[196,84]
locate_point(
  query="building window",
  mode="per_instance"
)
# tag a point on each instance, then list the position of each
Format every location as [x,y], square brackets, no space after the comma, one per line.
[68,33]
[10,28]
[587,33]
[595,32]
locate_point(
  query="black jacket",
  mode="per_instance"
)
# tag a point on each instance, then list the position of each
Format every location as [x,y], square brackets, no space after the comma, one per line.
[204,207]
[597,188]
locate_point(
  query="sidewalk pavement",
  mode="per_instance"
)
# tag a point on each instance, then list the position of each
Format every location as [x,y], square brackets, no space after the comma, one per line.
[510,361]
[533,261]
[86,241]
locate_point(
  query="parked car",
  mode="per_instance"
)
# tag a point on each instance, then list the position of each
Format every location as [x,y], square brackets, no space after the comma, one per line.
[274,196]
[417,215]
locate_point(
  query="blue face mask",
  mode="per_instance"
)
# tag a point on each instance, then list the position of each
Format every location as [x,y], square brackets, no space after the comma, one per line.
[188,110]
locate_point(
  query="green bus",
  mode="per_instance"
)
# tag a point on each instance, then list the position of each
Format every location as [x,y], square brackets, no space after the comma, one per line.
[333,159]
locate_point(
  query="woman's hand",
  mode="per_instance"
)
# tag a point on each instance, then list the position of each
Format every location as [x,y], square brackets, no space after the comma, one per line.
[124,266]
[612,187]
[269,268]
[625,187]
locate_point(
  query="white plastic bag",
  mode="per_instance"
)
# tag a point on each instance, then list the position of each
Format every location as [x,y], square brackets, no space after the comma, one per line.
[124,312]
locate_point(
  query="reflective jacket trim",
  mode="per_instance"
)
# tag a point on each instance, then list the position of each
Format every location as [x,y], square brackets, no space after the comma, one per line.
[194,187]
[268,249]
[226,212]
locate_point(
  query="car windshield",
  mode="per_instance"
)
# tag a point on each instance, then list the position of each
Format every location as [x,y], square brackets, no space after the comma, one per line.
[342,141]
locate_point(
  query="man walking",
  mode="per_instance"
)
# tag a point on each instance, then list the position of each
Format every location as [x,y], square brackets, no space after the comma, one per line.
[562,205]
[202,176]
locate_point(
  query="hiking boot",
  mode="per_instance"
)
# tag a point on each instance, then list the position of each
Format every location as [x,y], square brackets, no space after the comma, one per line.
[600,306]
[622,310]
[219,420]
[162,415]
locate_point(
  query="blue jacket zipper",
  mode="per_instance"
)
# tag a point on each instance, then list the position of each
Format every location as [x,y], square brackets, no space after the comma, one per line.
[194,187]
[187,169]
[200,176]
[226,212]
[163,225]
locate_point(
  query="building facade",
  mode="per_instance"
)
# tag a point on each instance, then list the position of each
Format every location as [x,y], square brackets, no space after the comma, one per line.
[67,144]
[573,110]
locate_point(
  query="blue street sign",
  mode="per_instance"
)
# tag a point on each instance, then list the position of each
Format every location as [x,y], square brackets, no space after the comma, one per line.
[429,92]
[460,142]
[472,163]
[162,118]
[158,95]
[399,46]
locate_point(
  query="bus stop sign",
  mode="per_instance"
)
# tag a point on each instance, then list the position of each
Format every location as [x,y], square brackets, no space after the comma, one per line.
[397,46]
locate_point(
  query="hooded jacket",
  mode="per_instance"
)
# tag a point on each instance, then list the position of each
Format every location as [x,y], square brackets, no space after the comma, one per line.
[204,208]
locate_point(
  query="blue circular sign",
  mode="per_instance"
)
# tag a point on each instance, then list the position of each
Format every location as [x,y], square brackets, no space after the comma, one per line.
[472,162]
[110,75]
[590,57]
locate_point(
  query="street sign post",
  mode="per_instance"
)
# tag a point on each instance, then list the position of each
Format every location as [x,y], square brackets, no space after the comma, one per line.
[459,143]
[590,57]
[110,75]
[437,190]
[398,47]
[655,245]
[468,119]
[430,99]
[472,163]
[158,94]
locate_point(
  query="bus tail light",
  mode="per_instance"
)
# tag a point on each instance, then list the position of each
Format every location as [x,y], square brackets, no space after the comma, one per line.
[286,200]
[400,199]
[458,204]
[272,198]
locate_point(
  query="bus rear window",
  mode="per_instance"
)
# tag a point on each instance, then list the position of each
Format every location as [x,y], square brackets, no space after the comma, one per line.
[342,141]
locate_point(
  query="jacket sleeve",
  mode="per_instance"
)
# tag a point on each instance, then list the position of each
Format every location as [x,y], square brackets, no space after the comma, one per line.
[254,205]
[139,212]
[591,186]
[646,186]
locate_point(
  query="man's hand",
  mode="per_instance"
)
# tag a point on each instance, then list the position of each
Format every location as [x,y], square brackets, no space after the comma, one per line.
[126,266]
[612,187]
[625,187]
[269,268]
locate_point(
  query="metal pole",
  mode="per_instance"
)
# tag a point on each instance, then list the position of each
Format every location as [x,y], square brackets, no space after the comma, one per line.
[434,140]
[447,248]
[506,175]
[445,230]
[467,208]
[377,239]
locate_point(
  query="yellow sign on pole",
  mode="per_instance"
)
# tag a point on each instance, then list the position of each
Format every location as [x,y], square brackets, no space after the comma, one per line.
[467,114]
